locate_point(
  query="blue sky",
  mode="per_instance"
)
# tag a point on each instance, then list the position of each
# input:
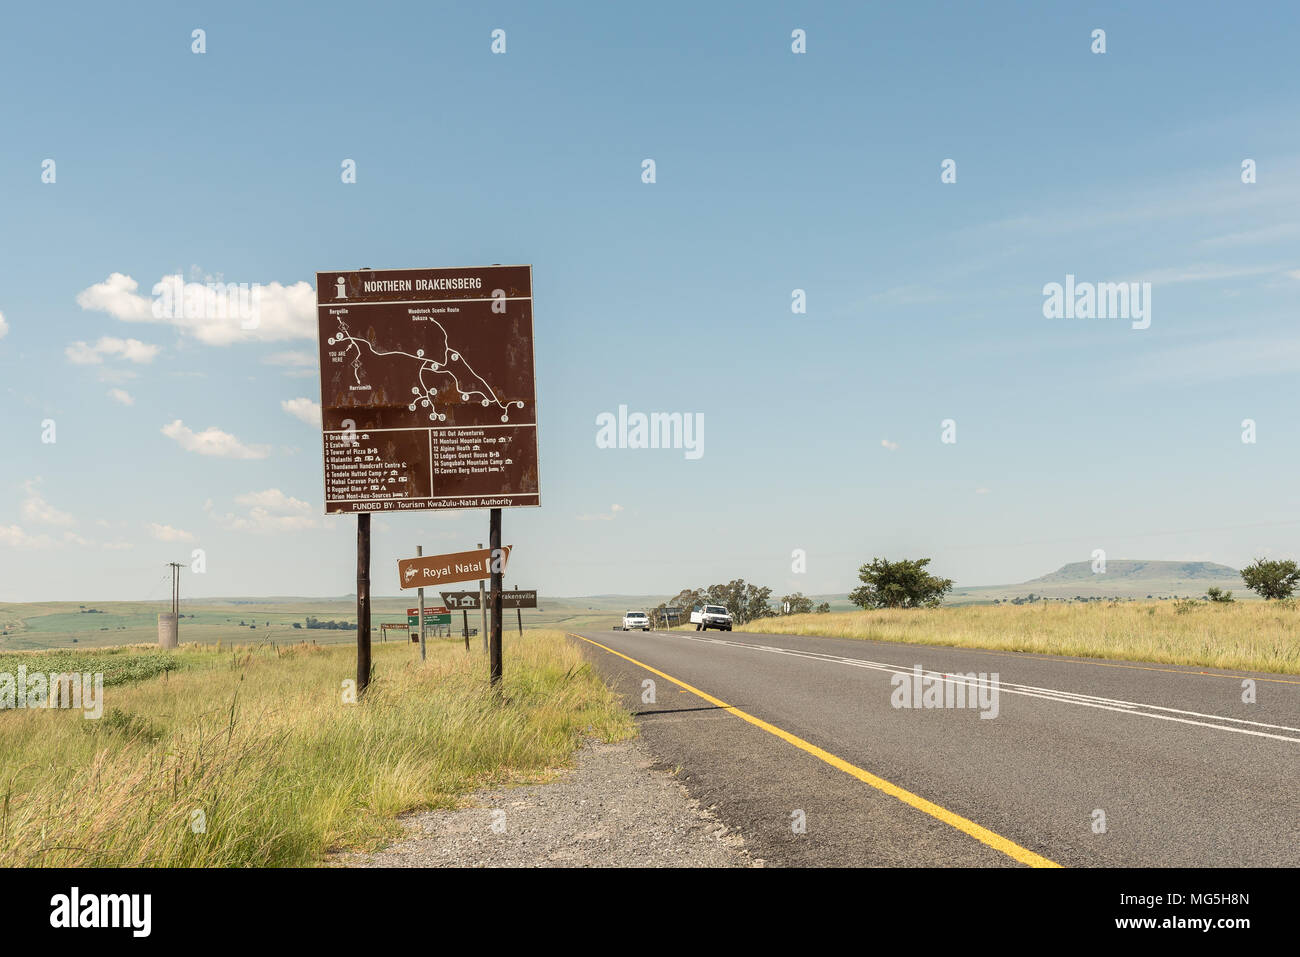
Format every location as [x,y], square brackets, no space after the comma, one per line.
[775,171]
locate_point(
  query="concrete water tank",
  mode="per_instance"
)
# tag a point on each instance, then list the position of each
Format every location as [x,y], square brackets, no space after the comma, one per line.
[167,631]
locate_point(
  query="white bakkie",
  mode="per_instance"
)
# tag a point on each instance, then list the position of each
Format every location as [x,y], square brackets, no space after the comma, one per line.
[704,617]
[636,619]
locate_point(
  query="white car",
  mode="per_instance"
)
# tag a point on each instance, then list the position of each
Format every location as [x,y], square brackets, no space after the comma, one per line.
[704,617]
[636,619]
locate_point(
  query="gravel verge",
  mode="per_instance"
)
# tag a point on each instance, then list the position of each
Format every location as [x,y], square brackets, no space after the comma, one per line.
[615,808]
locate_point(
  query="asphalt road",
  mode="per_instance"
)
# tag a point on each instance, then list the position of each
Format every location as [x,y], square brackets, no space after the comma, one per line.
[777,731]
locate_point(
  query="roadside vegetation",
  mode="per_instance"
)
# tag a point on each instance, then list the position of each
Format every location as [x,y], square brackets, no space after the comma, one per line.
[117,665]
[250,757]
[1254,636]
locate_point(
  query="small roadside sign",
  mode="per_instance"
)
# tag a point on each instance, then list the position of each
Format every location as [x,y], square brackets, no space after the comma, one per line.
[519,599]
[428,570]
[467,600]
[432,616]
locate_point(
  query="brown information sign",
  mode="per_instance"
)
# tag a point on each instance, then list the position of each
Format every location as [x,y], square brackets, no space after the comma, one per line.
[460,599]
[430,570]
[428,398]
[509,599]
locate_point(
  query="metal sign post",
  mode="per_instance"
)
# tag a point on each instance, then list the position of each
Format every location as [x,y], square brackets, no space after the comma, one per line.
[498,560]
[363,602]
[419,550]
[482,603]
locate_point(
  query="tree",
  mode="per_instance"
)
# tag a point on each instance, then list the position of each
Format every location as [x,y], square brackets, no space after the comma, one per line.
[798,604]
[900,584]
[824,608]
[745,602]
[1214,593]
[1271,579]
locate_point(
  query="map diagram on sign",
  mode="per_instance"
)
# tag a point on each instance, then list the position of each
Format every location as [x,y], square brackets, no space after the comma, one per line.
[465,382]
[428,389]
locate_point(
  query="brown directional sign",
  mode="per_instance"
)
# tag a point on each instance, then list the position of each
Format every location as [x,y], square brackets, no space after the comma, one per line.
[519,599]
[428,398]
[509,599]
[460,599]
[433,570]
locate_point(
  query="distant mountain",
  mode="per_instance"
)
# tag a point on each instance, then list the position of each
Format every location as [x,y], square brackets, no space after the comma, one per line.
[1211,573]
[1121,579]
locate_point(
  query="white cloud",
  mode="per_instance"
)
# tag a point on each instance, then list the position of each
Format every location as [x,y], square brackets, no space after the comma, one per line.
[603,516]
[111,374]
[1200,272]
[4,326]
[213,441]
[1278,231]
[36,509]
[1217,360]
[269,510]
[304,409]
[166,533]
[273,498]
[132,350]
[272,312]
[886,444]
[117,296]
[15,537]
[121,395]
[294,359]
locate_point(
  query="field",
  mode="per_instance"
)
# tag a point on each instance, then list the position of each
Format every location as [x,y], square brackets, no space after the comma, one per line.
[1253,636]
[252,756]
[38,625]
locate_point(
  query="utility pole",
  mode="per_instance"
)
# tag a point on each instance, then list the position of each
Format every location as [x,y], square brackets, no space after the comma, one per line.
[363,602]
[176,598]
[176,587]
[419,550]
[495,557]
[482,604]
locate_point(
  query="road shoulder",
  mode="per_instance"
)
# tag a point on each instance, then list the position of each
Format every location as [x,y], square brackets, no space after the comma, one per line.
[615,808]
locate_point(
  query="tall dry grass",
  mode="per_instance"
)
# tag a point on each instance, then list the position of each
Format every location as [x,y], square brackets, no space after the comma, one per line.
[1249,636]
[260,743]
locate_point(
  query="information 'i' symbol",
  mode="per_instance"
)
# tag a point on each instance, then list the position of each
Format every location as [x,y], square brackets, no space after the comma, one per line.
[342,286]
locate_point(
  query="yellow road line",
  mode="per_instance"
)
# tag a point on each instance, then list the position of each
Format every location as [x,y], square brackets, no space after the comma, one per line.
[965,825]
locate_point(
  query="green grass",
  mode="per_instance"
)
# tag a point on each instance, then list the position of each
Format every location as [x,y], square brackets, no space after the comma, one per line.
[36,625]
[117,665]
[262,744]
